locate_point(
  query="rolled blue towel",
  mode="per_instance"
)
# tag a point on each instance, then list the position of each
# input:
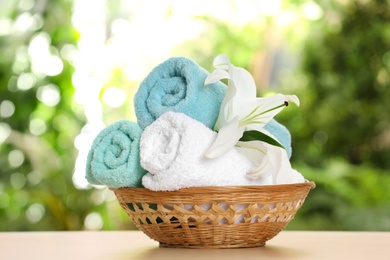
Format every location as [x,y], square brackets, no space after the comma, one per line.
[113,159]
[177,85]
[281,133]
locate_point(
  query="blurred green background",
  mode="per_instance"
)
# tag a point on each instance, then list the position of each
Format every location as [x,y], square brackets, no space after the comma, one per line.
[68,68]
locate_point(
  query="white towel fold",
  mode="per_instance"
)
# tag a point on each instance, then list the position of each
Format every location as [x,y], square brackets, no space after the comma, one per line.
[172,151]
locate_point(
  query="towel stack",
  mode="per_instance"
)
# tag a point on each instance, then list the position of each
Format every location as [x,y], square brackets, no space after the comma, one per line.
[165,149]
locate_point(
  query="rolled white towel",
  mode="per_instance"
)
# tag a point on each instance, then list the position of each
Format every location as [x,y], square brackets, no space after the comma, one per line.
[172,151]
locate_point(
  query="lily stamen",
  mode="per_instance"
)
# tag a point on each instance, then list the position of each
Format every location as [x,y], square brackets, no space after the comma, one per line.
[250,118]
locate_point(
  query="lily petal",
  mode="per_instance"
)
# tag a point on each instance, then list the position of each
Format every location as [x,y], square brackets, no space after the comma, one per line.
[240,97]
[226,139]
[262,170]
[244,81]
[275,162]
[222,61]
[284,173]
[294,99]
[263,156]
[217,75]
[257,152]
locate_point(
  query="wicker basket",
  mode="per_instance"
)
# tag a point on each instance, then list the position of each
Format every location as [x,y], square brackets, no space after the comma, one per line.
[214,217]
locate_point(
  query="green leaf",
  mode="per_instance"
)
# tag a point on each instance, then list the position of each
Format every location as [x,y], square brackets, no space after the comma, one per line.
[254,135]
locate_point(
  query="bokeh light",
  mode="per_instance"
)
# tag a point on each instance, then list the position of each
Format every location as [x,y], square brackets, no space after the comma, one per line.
[7,109]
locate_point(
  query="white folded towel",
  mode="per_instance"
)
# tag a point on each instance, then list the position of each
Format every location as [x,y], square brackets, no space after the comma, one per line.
[172,150]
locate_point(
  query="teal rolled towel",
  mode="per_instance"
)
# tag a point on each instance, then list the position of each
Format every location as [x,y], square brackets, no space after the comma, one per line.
[113,159]
[177,85]
[281,133]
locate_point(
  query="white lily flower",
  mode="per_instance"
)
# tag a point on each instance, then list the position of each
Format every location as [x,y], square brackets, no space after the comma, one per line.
[241,110]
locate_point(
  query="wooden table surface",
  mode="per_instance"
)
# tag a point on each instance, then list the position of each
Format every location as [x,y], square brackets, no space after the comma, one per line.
[135,245]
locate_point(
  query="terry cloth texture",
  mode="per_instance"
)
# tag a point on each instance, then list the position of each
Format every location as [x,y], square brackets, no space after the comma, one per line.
[178,85]
[281,133]
[113,159]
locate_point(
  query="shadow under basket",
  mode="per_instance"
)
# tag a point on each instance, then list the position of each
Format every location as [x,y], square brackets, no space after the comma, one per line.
[214,217]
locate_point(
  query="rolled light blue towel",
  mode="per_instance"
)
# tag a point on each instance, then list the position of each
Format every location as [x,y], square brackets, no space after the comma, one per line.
[113,159]
[177,85]
[281,133]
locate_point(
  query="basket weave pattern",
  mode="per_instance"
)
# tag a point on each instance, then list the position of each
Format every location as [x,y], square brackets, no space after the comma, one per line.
[214,217]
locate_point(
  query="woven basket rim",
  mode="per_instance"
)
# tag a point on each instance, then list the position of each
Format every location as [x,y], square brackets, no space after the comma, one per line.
[214,216]
[226,189]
